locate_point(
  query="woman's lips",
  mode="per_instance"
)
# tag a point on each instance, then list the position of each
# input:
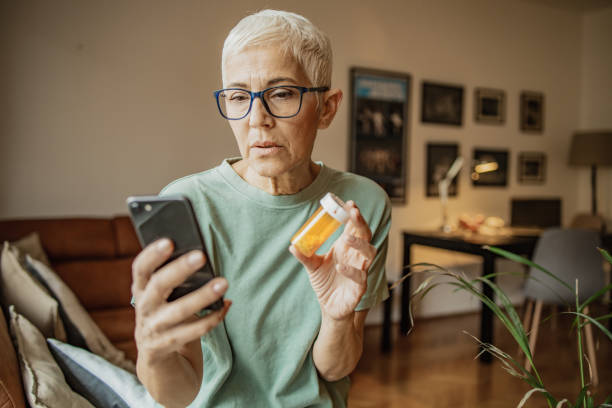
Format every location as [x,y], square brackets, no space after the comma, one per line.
[265,148]
[264,151]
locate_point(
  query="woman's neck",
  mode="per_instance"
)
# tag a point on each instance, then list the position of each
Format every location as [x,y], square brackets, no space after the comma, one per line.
[287,183]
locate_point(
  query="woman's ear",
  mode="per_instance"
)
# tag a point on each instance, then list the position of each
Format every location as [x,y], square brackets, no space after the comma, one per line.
[329,106]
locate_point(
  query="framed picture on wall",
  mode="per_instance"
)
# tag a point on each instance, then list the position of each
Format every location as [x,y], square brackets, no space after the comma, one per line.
[490,106]
[379,128]
[490,167]
[532,167]
[532,112]
[440,156]
[442,104]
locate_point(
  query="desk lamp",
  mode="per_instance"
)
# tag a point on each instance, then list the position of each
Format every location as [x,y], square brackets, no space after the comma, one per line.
[443,190]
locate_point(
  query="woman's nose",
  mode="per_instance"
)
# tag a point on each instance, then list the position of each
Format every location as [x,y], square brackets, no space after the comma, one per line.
[259,116]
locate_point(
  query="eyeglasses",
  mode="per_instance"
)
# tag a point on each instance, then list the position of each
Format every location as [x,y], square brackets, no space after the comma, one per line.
[280,101]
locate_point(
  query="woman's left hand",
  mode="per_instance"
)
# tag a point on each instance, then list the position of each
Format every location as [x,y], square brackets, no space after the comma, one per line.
[339,278]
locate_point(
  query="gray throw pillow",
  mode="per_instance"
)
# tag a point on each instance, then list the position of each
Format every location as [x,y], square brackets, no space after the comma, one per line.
[102,383]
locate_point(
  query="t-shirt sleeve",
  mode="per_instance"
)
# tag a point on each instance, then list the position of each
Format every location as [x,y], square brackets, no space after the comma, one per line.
[377,290]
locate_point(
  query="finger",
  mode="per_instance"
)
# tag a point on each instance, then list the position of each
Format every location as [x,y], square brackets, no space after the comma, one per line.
[362,246]
[357,225]
[169,277]
[177,311]
[147,261]
[310,263]
[356,275]
[176,337]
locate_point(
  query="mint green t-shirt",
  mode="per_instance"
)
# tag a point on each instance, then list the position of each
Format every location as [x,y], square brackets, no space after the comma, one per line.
[261,355]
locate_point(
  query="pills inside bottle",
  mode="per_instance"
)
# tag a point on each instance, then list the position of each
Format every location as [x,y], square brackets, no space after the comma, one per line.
[321,225]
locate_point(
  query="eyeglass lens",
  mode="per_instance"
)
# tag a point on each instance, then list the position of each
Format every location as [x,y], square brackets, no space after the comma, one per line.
[280,101]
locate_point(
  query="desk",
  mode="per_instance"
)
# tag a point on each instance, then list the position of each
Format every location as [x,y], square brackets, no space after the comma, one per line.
[461,242]
[471,244]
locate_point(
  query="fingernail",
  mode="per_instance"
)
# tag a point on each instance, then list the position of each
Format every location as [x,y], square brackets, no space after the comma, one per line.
[163,245]
[220,285]
[195,258]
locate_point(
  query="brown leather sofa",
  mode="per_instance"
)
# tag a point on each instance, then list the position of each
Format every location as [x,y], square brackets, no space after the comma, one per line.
[94,257]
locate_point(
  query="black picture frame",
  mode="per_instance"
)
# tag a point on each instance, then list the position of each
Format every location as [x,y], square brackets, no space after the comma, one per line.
[531,167]
[532,112]
[379,124]
[442,103]
[440,156]
[490,106]
[490,167]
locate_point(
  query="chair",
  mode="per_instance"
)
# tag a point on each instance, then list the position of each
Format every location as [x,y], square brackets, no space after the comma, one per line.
[570,254]
[594,222]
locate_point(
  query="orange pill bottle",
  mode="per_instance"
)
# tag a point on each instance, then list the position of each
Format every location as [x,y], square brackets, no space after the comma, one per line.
[321,225]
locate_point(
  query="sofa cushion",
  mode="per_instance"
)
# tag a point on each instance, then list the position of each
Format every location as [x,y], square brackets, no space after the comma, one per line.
[11,390]
[102,383]
[81,330]
[18,288]
[99,284]
[118,324]
[43,380]
[125,237]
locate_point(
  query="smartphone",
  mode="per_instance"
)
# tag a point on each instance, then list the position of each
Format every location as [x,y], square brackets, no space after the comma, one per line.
[172,217]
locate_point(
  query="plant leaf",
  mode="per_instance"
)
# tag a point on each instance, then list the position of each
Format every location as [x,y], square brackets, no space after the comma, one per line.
[595,296]
[512,320]
[604,317]
[580,399]
[605,254]
[517,332]
[593,321]
[525,261]
[607,402]
[509,364]
[412,272]
[528,395]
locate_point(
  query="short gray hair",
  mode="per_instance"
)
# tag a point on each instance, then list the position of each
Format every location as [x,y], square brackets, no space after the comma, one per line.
[295,35]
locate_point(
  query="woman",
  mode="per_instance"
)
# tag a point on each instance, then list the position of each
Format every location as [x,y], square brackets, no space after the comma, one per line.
[295,330]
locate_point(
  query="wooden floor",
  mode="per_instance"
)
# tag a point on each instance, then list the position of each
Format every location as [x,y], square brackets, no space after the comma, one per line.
[434,367]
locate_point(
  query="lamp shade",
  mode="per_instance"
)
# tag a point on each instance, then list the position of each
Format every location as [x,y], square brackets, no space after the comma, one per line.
[592,148]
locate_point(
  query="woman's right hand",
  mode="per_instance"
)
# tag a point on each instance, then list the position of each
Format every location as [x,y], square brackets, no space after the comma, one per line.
[162,327]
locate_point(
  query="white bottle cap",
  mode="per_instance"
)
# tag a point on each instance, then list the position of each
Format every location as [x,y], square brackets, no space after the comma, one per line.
[334,207]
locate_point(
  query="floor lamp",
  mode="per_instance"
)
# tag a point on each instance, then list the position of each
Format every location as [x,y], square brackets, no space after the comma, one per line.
[593,148]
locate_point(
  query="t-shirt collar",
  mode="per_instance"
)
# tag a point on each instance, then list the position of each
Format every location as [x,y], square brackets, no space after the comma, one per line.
[314,191]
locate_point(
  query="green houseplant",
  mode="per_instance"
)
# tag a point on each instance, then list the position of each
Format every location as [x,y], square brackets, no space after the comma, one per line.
[508,316]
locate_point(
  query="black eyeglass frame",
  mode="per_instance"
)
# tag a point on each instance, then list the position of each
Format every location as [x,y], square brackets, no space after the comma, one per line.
[259,95]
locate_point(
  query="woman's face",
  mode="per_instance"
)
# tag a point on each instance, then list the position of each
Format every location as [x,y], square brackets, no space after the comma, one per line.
[272,147]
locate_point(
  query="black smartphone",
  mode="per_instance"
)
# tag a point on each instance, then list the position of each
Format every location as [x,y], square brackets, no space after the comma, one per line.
[172,217]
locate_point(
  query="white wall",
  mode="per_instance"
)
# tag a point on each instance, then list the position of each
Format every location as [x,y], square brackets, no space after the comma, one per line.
[105,99]
[596,100]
